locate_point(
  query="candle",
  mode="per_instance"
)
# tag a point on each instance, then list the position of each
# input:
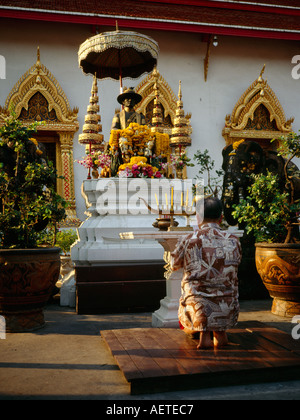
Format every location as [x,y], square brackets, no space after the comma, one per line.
[156,200]
[172,197]
[166,199]
[182,199]
[187,198]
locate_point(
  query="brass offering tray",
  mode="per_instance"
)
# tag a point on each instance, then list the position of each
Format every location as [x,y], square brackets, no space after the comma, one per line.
[167,221]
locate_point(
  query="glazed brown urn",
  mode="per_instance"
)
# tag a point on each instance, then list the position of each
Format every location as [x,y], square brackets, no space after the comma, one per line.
[27,279]
[279,268]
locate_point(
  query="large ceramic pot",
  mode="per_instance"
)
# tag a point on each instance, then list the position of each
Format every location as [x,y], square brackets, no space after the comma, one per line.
[27,278]
[279,267]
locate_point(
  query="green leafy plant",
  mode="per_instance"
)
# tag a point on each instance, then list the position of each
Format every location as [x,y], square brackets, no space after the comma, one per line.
[289,148]
[28,199]
[206,165]
[65,239]
[266,212]
[271,211]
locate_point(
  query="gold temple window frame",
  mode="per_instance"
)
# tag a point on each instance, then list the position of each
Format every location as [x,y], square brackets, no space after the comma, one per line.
[258,94]
[38,79]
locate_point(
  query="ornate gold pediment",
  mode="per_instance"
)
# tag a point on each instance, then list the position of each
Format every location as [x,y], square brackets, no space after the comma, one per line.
[39,80]
[167,99]
[258,116]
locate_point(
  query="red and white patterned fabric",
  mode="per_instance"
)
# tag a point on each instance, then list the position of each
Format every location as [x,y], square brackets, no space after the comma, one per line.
[210,258]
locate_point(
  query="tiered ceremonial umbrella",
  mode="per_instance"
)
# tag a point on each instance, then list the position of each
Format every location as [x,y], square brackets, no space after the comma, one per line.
[118,54]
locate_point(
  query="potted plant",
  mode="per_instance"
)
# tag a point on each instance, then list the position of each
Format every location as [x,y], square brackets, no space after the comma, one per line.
[64,240]
[206,165]
[28,204]
[271,213]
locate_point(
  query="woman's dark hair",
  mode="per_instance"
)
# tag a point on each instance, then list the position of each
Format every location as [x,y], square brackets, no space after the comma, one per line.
[213,208]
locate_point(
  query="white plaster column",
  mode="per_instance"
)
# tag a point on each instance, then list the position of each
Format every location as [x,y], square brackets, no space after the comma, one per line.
[167,315]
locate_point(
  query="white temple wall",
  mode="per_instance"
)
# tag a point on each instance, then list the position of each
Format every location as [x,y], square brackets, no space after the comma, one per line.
[233,65]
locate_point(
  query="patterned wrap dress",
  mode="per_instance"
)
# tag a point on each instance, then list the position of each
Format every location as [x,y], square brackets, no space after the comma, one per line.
[209,289]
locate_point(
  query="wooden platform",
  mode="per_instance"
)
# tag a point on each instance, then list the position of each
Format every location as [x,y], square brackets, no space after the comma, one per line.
[159,360]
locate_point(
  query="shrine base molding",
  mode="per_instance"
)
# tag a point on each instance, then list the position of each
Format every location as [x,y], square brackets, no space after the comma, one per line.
[115,275]
[119,288]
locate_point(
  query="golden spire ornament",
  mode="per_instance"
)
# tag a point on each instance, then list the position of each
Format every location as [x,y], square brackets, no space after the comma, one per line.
[92,128]
[181,131]
[157,118]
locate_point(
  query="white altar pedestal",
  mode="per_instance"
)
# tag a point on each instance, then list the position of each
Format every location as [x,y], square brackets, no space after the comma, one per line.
[114,206]
[167,315]
[114,274]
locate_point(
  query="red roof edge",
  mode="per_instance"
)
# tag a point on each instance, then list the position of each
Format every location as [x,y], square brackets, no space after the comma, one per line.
[150,24]
[250,6]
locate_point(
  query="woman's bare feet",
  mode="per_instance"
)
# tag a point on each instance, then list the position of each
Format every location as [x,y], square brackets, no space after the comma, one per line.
[205,341]
[220,339]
